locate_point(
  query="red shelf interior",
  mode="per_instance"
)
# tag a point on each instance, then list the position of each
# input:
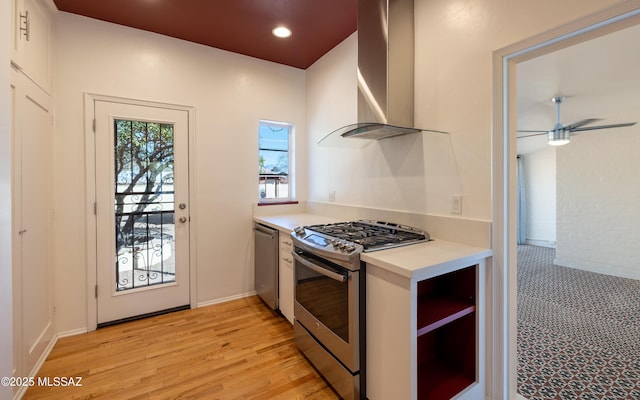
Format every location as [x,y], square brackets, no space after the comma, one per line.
[447,347]
[447,359]
[440,382]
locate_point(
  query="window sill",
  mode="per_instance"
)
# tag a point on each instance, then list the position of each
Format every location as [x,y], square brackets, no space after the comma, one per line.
[277,203]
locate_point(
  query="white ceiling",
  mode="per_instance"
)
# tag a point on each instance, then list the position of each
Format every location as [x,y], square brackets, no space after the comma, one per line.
[600,78]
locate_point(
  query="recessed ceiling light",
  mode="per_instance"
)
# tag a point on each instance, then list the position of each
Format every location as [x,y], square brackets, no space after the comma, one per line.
[281,32]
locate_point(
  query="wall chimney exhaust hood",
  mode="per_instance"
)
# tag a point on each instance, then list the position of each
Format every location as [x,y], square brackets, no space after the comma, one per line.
[385,73]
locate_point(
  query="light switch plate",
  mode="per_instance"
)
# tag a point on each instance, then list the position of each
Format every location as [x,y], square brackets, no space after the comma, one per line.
[456,204]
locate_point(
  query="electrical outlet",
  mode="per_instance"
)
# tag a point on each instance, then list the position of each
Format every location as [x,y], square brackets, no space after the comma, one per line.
[456,204]
[332,195]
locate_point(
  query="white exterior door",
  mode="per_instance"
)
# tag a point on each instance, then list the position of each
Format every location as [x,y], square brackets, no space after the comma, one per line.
[142,209]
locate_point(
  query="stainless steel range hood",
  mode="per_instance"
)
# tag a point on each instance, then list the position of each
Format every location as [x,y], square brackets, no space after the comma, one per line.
[385,72]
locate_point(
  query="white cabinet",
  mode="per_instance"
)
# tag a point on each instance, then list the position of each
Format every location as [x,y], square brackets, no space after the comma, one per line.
[425,336]
[285,279]
[33,310]
[31,45]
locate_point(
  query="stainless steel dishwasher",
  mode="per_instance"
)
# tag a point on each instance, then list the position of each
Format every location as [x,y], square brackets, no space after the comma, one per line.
[266,264]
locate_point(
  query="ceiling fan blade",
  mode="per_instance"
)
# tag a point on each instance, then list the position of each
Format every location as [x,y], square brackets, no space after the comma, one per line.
[531,131]
[533,134]
[591,128]
[581,123]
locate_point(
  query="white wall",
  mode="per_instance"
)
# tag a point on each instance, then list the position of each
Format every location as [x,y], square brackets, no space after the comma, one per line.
[330,104]
[598,199]
[230,93]
[6,327]
[540,187]
[453,93]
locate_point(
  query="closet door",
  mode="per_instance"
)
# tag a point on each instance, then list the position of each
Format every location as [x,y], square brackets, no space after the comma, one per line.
[33,297]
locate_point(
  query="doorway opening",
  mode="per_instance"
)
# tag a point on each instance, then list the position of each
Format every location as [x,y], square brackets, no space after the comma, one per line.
[577,272]
[504,173]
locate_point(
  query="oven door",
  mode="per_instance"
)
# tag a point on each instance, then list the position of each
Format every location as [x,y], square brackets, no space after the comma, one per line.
[327,305]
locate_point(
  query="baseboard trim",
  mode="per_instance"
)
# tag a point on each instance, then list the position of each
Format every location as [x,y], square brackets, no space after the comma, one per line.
[541,243]
[225,299]
[34,372]
[72,332]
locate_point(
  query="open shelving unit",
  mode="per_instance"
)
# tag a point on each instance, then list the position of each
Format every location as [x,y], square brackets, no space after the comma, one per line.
[447,353]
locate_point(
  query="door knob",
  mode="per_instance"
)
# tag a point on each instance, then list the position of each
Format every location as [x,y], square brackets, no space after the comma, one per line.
[182,220]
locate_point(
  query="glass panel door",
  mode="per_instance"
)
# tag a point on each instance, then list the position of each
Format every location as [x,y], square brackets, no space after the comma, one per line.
[144,204]
[142,213]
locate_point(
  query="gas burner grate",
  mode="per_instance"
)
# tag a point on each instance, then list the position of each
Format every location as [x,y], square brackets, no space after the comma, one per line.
[372,235]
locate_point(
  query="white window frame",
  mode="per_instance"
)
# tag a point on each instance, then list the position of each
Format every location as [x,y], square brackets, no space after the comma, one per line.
[291,198]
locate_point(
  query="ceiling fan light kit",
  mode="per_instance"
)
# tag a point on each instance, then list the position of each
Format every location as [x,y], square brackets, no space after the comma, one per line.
[560,135]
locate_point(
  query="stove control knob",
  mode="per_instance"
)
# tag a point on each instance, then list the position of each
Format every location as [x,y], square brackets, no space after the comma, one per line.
[299,230]
[348,247]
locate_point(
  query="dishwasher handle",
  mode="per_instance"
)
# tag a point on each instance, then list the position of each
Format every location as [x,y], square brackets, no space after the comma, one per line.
[264,231]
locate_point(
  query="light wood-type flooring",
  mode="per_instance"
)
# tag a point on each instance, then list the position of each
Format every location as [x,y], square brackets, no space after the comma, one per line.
[236,350]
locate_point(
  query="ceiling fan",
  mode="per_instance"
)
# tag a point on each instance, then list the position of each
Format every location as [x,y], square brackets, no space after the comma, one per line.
[560,134]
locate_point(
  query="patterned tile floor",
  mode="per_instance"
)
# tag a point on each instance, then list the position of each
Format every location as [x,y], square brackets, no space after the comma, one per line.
[578,332]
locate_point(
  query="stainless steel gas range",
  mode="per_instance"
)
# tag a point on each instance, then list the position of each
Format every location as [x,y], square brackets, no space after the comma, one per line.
[329,306]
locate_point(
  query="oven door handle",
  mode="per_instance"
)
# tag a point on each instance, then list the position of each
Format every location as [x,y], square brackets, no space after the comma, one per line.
[323,271]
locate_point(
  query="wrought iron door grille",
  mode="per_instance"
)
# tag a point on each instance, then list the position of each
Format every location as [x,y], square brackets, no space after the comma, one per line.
[144,204]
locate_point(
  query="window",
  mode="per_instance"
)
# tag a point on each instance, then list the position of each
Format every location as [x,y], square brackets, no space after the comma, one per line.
[274,160]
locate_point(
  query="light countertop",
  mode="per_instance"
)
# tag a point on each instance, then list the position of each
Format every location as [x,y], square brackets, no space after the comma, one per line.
[287,222]
[425,260]
[416,261]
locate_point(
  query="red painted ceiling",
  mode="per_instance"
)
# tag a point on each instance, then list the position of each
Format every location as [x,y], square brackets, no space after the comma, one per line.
[240,26]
